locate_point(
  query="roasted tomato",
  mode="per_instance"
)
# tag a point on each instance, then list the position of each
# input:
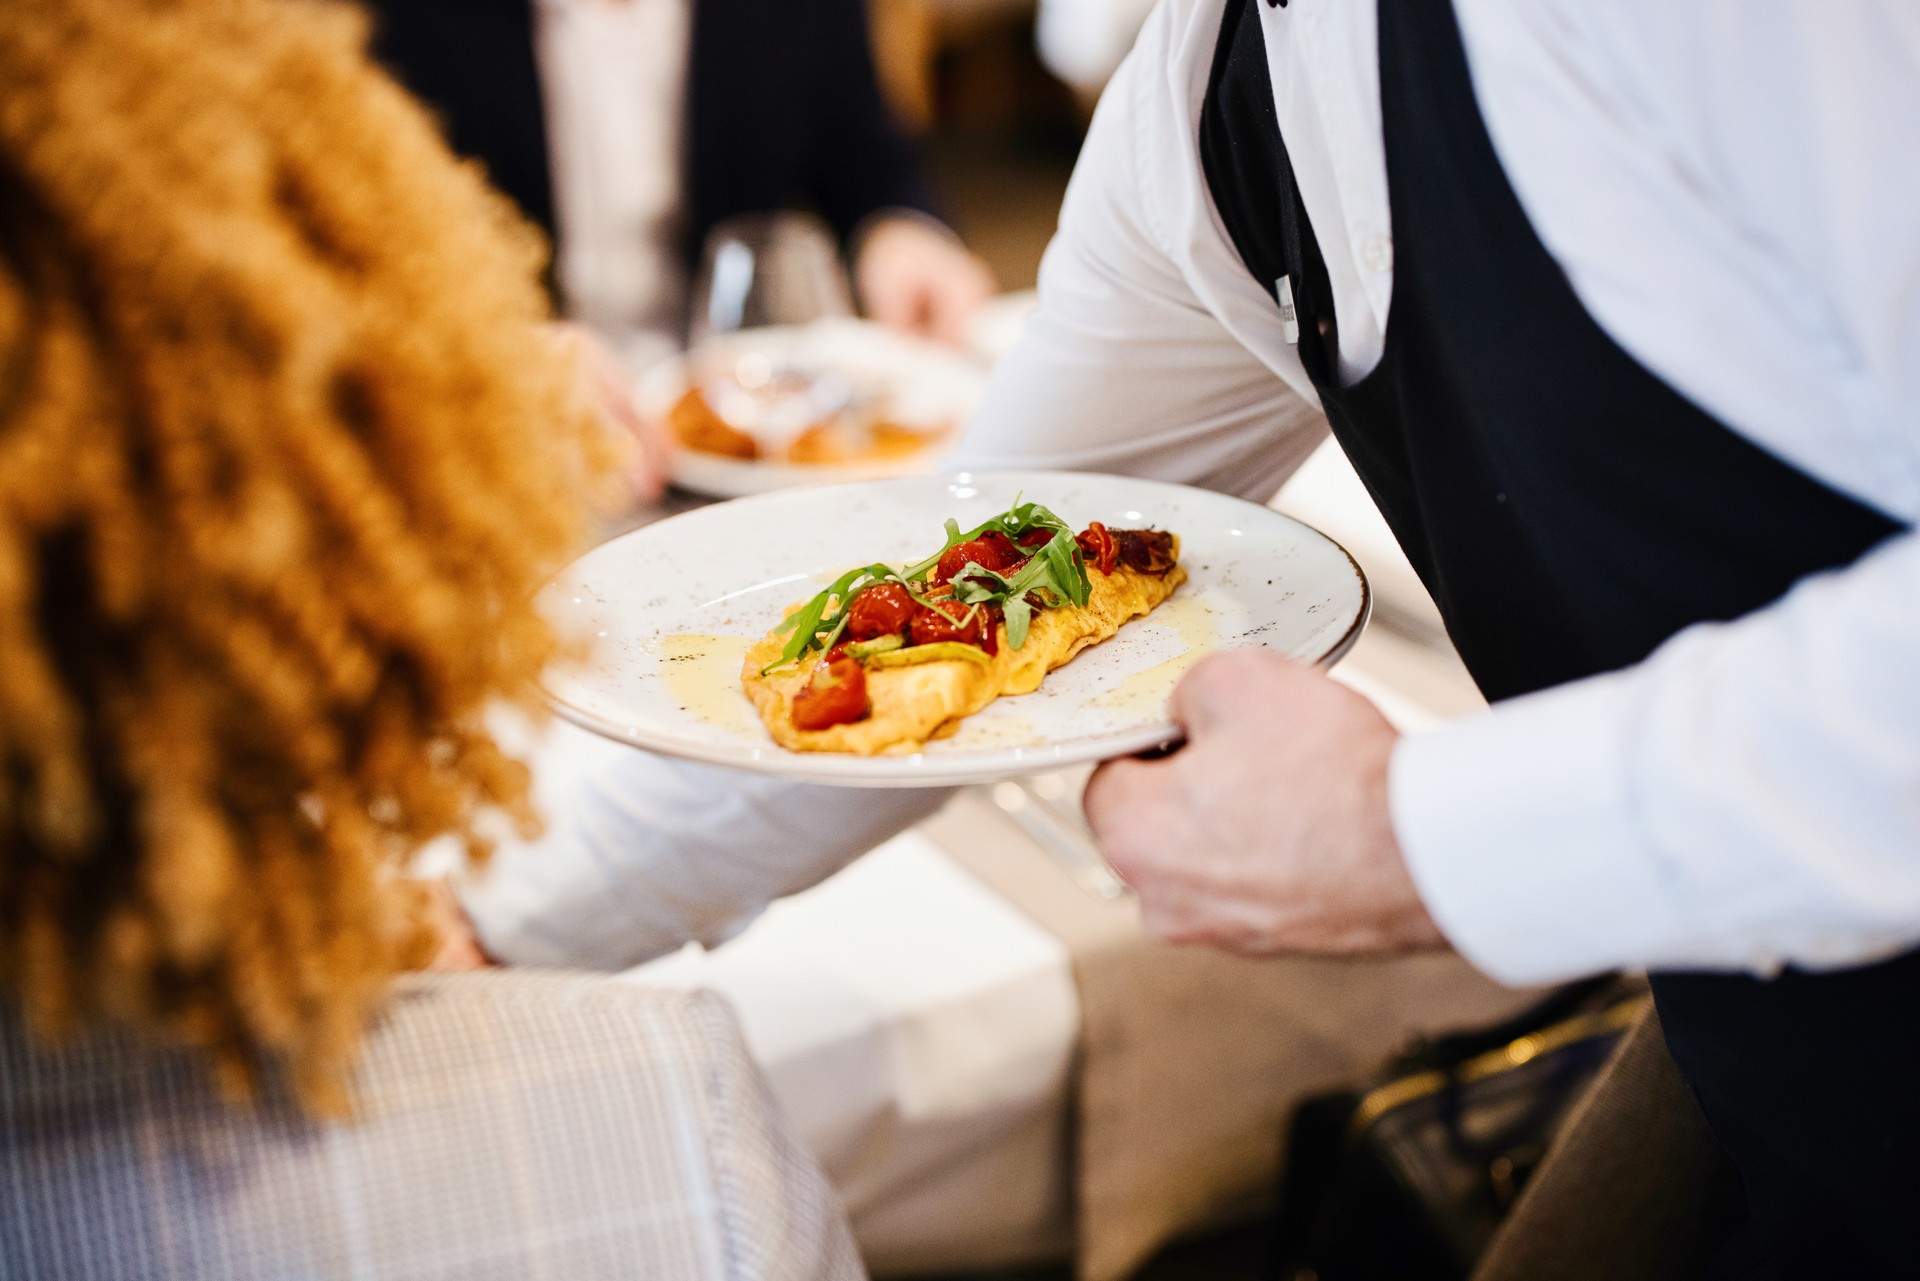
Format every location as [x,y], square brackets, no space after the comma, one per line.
[836,695]
[992,550]
[1148,550]
[884,609]
[1003,548]
[1098,547]
[944,623]
[695,425]
[1035,538]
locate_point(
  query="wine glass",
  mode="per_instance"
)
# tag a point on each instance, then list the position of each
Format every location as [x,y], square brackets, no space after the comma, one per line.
[767,269]
[776,273]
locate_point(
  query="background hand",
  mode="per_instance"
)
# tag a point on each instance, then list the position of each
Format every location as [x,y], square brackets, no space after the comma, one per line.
[643,442]
[460,947]
[919,279]
[1269,831]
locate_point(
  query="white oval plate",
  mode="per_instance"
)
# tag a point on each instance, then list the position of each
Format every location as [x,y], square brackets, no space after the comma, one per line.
[672,608]
[929,382]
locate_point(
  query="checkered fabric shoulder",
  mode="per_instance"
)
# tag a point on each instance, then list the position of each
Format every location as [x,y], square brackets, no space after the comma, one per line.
[508,1125]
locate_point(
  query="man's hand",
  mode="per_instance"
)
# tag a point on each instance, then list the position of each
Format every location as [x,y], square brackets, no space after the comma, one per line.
[919,279]
[460,947]
[642,441]
[1269,831]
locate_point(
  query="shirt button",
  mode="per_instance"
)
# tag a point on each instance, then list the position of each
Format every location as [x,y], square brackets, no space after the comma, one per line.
[1377,253]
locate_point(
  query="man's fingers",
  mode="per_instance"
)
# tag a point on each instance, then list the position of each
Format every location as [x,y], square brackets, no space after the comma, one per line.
[644,445]
[1210,692]
[920,279]
[1221,687]
[654,461]
[889,304]
[1105,799]
[459,947]
[964,286]
[1126,805]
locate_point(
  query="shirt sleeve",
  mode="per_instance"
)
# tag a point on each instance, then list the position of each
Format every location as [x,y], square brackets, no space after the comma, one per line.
[643,854]
[1749,797]
[1125,367]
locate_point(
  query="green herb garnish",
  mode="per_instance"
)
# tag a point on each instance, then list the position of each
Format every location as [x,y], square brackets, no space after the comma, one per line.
[1021,518]
[811,621]
[1055,575]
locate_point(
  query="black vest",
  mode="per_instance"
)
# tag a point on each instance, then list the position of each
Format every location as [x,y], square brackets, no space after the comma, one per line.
[1569,511]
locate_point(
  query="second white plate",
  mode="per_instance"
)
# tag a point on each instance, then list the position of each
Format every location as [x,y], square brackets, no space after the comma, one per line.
[672,607]
[931,386]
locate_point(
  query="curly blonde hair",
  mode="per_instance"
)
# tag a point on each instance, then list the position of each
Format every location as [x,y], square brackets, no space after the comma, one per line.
[284,455]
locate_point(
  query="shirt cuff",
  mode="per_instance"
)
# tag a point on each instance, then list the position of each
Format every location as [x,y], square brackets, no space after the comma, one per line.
[1518,829]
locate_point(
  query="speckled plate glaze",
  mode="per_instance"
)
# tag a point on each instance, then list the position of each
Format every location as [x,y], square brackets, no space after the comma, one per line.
[672,607]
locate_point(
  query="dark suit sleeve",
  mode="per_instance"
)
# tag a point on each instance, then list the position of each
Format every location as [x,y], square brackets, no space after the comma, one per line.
[472,62]
[860,160]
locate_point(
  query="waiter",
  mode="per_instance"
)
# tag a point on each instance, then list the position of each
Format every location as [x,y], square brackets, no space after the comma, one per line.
[1616,311]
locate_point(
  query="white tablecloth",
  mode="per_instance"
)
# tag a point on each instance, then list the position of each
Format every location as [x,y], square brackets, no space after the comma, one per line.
[919,1031]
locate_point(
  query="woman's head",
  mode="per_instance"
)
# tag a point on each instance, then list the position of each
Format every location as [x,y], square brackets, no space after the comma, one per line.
[283,456]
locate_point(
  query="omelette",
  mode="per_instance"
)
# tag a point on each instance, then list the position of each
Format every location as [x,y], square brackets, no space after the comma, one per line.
[886,660]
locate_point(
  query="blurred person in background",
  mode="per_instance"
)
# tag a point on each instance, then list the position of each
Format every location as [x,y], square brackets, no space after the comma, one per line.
[285,450]
[627,129]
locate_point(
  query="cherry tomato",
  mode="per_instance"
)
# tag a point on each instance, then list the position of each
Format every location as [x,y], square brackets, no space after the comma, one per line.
[884,609]
[1036,538]
[944,623]
[836,695]
[1003,548]
[1098,548]
[992,550]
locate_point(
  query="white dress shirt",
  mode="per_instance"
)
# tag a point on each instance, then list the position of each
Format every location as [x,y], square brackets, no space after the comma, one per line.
[613,76]
[1733,194]
[643,854]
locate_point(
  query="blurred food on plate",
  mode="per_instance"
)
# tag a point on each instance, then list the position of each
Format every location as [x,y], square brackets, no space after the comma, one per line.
[837,399]
[751,411]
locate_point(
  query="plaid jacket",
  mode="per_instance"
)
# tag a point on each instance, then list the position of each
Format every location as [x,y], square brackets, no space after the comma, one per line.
[510,1125]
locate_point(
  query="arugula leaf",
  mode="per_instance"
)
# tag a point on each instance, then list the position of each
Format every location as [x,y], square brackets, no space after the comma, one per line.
[807,622]
[1054,574]
[1019,616]
[1069,568]
[1019,519]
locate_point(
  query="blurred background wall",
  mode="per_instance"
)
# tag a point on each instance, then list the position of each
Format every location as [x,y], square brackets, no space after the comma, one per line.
[999,92]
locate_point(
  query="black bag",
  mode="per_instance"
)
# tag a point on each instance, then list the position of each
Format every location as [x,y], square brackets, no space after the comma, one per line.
[1407,1179]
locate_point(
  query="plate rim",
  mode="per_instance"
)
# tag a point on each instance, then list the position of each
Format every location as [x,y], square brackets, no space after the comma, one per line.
[919,770]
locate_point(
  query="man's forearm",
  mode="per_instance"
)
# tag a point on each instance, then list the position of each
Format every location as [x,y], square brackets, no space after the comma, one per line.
[643,854]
